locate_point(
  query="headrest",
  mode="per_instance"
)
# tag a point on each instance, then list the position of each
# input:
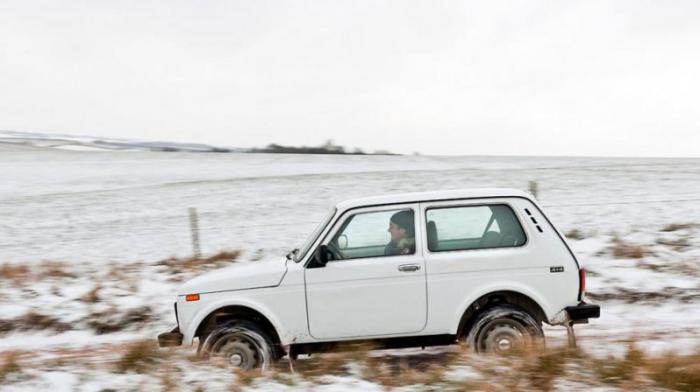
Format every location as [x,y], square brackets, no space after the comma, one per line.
[432,236]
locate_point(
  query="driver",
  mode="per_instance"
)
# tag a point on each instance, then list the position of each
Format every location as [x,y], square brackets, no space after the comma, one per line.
[403,241]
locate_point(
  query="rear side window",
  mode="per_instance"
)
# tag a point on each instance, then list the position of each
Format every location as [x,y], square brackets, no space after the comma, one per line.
[473,227]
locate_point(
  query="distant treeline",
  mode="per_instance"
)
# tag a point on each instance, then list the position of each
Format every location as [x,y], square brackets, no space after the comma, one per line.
[327,148]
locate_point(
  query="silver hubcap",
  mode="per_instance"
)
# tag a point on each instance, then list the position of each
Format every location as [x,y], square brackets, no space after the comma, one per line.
[239,352]
[504,344]
[236,360]
[503,337]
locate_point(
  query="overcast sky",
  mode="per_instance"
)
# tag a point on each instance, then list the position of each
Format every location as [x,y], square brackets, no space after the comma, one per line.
[616,78]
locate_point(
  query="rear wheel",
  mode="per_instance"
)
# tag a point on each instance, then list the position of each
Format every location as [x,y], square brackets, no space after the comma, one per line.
[241,344]
[504,329]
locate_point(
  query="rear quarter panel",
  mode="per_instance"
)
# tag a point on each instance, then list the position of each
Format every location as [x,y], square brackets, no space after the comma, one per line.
[456,279]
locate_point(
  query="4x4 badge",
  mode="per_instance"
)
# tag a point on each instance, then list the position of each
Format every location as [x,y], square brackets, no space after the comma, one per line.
[558,268]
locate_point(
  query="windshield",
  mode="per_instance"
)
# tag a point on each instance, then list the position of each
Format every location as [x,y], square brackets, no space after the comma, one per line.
[310,240]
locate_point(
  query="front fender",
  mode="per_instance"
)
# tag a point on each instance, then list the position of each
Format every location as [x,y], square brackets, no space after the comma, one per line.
[216,304]
[507,286]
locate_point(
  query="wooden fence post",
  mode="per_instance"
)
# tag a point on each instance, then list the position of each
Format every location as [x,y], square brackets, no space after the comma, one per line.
[194,228]
[533,188]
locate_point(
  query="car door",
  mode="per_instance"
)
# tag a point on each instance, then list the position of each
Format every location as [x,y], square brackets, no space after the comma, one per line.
[374,288]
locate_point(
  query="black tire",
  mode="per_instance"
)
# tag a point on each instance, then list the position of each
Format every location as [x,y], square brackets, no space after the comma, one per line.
[241,343]
[503,329]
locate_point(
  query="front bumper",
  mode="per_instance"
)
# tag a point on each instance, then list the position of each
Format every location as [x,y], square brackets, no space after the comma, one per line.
[174,337]
[580,313]
[170,339]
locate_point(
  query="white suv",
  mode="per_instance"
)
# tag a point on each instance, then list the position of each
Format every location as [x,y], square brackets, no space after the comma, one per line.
[484,267]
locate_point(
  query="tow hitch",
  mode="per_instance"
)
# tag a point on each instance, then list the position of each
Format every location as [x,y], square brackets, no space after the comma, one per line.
[579,314]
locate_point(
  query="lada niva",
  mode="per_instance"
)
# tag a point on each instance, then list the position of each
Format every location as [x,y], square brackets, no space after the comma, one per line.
[482,267]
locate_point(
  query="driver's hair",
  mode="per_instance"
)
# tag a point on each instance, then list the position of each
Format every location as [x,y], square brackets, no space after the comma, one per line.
[404,220]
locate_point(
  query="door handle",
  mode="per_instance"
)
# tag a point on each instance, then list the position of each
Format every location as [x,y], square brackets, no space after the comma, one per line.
[409,267]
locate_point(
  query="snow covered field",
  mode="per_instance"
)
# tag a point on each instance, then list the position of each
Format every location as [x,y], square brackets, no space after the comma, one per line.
[83,236]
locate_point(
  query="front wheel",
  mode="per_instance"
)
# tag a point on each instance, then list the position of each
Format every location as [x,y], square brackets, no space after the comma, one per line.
[504,329]
[241,343]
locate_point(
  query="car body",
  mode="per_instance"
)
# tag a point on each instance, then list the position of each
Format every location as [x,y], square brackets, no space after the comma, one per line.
[470,251]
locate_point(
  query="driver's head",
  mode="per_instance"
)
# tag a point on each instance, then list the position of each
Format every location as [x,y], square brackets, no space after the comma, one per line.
[401,225]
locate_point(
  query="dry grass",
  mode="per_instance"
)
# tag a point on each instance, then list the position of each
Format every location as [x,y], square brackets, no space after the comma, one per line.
[677,244]
[193,264]
[623,250]
[224,255]
[620,371]
[33,321]
[677,226]
[169,377]
[680,373]
[92,296]
[526,370]
[335,363]
[8,366]
[653,297]
[682,267]
[15,273]
[544,368]
[247,377]
[20,274]
[112,320]
[532,370]
[575,234]
[54,270]
[140,357]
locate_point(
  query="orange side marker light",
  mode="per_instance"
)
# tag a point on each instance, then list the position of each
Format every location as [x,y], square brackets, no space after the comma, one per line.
[192,297]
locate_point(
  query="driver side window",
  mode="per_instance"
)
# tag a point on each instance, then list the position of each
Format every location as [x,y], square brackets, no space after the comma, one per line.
[375,234]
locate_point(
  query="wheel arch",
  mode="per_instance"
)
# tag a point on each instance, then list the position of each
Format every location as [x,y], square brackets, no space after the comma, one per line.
[495,298]
[220,312]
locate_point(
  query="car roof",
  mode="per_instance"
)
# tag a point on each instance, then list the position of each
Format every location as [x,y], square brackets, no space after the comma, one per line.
[432,196]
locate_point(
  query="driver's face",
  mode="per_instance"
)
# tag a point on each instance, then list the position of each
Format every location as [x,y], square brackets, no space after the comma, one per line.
[397,233]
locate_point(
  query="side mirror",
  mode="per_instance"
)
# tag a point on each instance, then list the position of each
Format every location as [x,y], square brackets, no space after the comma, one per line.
[320,258]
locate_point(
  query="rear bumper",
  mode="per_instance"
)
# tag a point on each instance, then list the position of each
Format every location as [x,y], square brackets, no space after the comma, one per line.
[170,339]
[582,312]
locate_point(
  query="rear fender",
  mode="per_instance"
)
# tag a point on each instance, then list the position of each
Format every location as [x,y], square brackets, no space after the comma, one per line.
[508,286]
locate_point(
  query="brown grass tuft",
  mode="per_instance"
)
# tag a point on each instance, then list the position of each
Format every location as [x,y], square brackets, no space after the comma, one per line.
[681,373]
[9,366]
[575,234]
[55,270]
[224,255]
[334,363]
[617,371]
[677,244]
[677,226]
[33,321]
[140,357]
[15,272]
[22,274]
[397,371]
[169,377]
[91,296]
[624,250]
[193,264]
[544,368]
[111,320]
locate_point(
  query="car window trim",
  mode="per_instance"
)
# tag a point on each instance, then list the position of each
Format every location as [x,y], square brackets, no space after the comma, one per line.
[414,206]
[532,203]
[512,210]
